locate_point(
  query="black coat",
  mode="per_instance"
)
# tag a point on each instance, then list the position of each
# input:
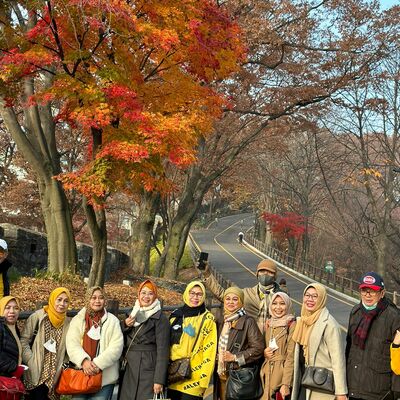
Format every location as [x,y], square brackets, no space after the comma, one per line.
[9,353]
[4,267]
[369,375]
[147,358]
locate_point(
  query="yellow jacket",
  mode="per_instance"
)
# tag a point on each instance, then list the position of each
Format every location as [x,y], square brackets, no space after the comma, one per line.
[203,356]
[395,359]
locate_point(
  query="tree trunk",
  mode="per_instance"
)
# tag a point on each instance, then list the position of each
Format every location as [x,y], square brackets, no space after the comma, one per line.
[61,245]
[142,230]
[187,210]
[96,219]
[381,254]
[34,132]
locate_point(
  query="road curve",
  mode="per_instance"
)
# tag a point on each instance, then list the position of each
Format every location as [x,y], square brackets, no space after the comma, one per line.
[238,263]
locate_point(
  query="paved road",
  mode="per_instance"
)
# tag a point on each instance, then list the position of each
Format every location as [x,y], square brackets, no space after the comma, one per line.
[238,263]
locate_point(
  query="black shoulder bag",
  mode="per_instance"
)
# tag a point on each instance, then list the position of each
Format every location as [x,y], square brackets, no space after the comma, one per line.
[243,383]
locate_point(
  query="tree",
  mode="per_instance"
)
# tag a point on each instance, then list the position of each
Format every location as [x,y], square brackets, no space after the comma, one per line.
[135,77]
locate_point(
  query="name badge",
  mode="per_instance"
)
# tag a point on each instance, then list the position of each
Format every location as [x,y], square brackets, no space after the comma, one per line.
[51,345]
[94,333]
[272,344]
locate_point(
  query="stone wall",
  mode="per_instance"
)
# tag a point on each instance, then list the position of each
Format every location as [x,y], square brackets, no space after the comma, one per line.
[28,252]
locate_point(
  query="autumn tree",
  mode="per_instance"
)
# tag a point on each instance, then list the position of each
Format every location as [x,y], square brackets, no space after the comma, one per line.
[135,77]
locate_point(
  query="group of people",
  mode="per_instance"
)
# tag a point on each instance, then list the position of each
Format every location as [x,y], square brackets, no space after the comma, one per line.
[258,337]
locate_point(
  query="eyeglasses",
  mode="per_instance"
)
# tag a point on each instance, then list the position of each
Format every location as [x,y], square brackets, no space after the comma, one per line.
[311,296]
[196,294]
[371,292]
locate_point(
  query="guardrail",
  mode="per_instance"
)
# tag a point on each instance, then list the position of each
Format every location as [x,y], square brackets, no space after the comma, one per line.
[112,307]
[333,280]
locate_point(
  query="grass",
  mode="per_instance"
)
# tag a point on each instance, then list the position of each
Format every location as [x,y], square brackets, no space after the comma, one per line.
[186,260]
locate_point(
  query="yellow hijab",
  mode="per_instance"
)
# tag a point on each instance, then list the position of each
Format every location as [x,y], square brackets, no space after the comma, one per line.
[57,319]
[4,301]
[189,287]
[307,320]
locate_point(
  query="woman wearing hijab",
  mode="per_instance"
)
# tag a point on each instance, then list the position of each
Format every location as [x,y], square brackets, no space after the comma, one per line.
[240,341]
[95,342]
[43,345]
[10,345]
[319,343]
[277,370]
[147,347]
[194,335]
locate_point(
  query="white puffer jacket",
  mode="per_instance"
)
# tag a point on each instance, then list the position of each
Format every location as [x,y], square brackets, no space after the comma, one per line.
[111,345]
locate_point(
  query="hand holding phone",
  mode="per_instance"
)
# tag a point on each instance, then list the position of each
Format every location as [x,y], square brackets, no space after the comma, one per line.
[203,257]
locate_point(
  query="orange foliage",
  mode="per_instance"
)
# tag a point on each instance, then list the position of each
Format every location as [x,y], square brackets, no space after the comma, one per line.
[139,72]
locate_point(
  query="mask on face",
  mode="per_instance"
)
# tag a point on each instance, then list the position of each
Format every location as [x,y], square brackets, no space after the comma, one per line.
[369,308]
[265,280]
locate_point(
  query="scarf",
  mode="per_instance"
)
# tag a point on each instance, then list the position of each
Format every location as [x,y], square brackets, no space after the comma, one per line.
[360,334]
[224,337]
[92,319]
[185,311]
[142,314]
[57,319]
[274,321]
[307,320]
[264,293]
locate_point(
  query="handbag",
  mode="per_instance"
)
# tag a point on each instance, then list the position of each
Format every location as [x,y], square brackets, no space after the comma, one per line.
[180,370]
[74,381]
[11,388]
[160,396]
[318,379]
[244,383]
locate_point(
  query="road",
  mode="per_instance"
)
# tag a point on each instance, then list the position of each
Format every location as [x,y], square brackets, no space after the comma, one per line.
[238,263]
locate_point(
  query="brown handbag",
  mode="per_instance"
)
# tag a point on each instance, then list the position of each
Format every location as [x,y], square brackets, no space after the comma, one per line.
[74,381]
[180,370]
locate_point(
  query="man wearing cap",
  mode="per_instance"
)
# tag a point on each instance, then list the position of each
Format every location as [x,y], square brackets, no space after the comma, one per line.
[5,265]
[372,327]
[256,298]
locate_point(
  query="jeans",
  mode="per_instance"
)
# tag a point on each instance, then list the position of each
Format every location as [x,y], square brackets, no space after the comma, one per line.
[104,394]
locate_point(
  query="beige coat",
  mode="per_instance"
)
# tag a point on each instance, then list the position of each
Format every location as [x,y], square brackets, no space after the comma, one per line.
[252,301]
[326,349]
[278,370]
[34,357]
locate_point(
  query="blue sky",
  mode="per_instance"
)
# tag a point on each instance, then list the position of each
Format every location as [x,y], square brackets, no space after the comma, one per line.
[389,3]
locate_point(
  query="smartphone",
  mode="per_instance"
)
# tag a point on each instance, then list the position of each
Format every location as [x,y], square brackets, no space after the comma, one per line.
[203,257]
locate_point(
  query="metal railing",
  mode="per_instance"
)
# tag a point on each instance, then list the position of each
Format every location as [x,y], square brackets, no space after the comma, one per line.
[332,280]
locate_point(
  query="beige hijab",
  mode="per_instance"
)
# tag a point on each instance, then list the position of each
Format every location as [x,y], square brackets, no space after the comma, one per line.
[308,319]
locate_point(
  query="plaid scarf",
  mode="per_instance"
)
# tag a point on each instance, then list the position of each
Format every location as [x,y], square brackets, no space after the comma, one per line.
[224,337]
[361,332]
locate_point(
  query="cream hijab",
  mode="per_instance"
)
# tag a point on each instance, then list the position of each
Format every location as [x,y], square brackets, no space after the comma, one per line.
[307,320]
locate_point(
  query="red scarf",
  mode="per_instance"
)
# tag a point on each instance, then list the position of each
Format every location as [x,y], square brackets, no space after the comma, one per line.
[89,344]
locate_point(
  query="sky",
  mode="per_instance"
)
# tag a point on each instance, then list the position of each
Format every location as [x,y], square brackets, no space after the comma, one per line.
[389,3]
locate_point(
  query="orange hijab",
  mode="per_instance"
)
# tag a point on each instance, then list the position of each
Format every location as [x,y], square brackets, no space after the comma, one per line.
[57,319]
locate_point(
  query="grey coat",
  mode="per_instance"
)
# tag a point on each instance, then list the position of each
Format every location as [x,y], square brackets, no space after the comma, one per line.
[326,349]
[148,358]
